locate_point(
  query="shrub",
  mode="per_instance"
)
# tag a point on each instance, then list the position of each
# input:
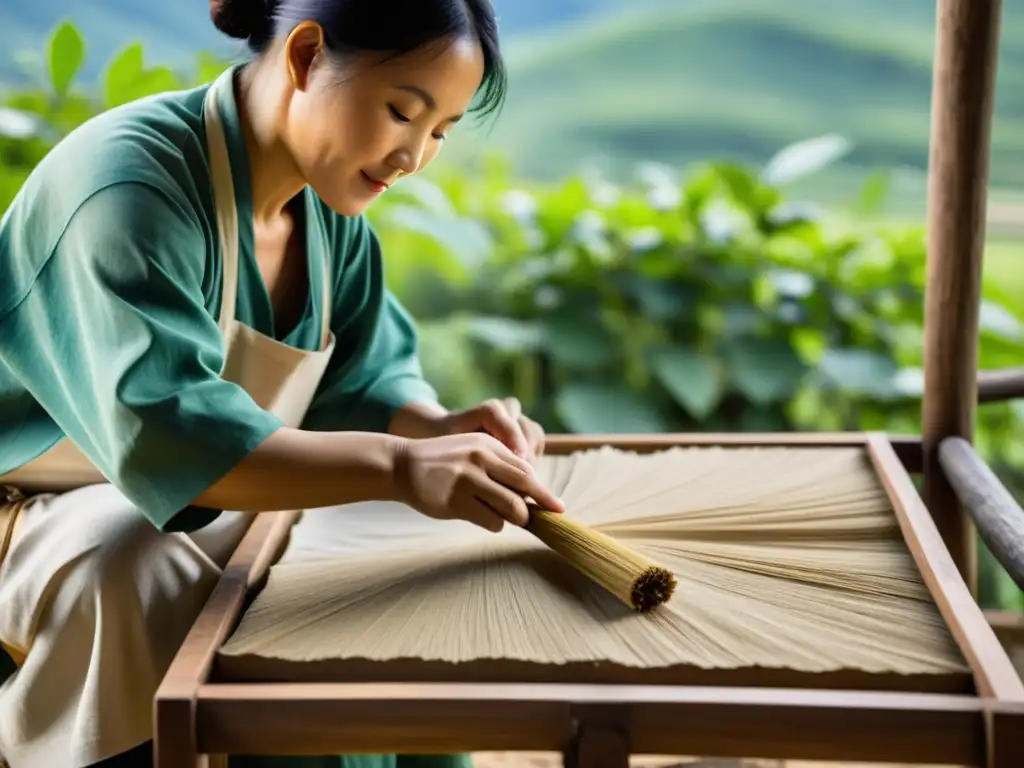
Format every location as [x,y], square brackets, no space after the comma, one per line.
[709,303]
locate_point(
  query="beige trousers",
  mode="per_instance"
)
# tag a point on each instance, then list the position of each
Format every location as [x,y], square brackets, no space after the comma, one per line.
[99,600]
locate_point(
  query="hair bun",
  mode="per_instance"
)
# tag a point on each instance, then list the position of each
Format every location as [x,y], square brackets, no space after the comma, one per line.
[242,19]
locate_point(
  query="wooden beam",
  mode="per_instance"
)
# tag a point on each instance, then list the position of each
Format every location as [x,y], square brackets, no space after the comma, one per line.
[438,718]
[994,674]
[962,101]
[907,447]
[174,707]
[994,512]
[651,443]
[1004,734]
[1000,385]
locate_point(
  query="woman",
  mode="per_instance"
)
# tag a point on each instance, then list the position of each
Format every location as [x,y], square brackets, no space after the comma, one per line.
[193,318]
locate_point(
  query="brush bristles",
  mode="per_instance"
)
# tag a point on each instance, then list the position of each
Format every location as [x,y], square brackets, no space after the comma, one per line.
[635,579]
[655,586]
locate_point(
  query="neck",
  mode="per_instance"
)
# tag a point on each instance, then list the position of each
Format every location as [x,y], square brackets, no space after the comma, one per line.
[275,178]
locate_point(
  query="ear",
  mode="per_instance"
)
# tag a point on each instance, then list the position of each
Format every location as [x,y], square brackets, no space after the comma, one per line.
[303,52]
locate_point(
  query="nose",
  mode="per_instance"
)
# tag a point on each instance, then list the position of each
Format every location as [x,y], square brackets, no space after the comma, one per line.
[408,158]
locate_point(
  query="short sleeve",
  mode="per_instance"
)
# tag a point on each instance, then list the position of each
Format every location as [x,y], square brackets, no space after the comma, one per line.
[375,369]
[115,341]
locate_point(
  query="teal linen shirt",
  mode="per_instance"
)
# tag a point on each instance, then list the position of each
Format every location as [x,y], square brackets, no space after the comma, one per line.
[110,287]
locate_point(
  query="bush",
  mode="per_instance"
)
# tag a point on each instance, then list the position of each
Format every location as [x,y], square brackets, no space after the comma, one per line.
[709,303]
[33,120]
[706,302]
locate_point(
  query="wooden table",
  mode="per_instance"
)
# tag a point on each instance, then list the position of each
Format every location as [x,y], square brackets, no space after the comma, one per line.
[599,725]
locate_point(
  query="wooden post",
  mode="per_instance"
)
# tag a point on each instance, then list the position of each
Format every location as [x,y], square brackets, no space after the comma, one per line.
[967,36]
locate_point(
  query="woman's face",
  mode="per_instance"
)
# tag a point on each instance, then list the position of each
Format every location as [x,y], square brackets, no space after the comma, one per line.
[354,133]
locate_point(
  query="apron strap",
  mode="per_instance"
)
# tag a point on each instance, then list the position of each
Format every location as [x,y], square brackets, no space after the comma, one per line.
[326,298]
[224,203]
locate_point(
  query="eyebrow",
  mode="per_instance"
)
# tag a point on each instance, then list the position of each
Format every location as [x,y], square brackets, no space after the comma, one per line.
[427,98]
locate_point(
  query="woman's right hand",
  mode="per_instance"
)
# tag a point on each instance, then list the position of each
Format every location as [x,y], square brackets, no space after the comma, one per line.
[472,477]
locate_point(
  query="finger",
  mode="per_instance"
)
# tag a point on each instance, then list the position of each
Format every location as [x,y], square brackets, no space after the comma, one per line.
[534,436]
[518,475]
[507,503]
[513,408]
[479,513]
[497,422]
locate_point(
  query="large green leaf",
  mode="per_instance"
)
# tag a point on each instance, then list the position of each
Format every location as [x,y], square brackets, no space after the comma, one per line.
[505,333]
[745,189]
[156,80]
[608,409]
[428,195]
[873,193]
[740,319]
[560,209]
[695,380]
[765,371]
[578,342]
[660,299]
[860,372]
[65,56]
[805,158]
[449,365]
[463,238]
[122,76]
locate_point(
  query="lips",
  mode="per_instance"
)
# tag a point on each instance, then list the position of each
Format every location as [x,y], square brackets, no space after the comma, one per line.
[374,184]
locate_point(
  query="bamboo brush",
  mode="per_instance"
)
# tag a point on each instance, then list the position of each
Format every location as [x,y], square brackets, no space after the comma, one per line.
[638,581]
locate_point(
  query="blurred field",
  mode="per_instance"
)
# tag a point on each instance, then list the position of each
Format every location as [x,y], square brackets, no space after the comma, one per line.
[674,81]
[741,79]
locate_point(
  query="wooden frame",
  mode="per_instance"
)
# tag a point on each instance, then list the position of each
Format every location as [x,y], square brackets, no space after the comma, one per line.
[195,716]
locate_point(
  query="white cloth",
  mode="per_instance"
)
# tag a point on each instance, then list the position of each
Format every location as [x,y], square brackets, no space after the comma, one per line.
[95,596]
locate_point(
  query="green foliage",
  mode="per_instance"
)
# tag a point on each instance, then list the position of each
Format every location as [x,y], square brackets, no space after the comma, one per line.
[65,55]
[33,119]
[705,302]
[696,301]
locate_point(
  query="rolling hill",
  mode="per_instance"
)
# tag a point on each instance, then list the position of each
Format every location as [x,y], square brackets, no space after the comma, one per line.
[740,80]
[668,80]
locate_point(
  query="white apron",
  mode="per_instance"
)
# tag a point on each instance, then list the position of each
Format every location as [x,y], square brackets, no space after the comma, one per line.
[96,601]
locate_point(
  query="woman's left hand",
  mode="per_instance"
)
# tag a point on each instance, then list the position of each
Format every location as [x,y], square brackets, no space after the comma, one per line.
[502,419]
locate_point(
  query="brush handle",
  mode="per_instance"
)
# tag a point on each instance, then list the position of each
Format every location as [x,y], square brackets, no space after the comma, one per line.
[632,577]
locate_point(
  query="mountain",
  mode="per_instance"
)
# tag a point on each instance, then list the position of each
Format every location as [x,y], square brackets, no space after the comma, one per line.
[671,80]
[740,80]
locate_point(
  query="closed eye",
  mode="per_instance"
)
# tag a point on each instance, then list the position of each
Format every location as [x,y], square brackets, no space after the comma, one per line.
[399,117]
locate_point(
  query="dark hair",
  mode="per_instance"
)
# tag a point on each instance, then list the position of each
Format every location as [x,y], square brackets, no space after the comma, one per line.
[394,27]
